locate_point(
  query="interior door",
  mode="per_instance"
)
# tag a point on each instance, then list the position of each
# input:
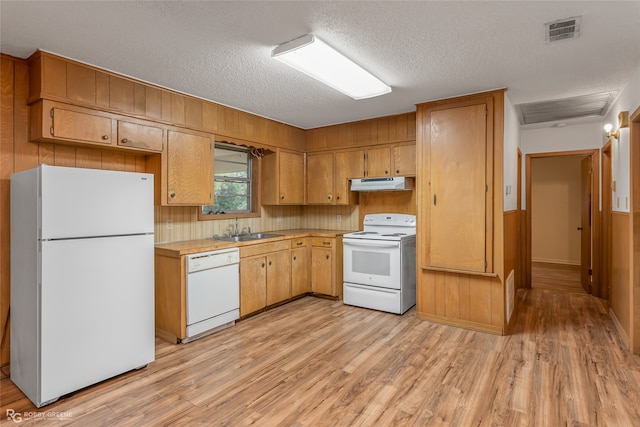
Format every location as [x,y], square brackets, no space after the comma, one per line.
[458,188]
[585,223]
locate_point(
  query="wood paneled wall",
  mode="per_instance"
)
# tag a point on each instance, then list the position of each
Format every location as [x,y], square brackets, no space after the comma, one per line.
[620,294]
[381,130]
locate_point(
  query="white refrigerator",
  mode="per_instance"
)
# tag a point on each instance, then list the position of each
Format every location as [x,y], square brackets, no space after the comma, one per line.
[82,278]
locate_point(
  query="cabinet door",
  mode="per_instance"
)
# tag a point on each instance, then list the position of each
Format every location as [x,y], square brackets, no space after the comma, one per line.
[404,160]
[322,270]
[458,188]
[379,162]
[278,277]
[349,164]
[78,126]
[253,284]
[291,178]
[139,136]
[189,169]
[300,271]
[320,179]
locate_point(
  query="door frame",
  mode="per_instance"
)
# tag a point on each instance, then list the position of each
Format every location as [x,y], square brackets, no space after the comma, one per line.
[595,213]
[634,168]
[607,199]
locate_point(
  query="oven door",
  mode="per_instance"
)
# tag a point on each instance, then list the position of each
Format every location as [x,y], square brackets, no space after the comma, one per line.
[372,262]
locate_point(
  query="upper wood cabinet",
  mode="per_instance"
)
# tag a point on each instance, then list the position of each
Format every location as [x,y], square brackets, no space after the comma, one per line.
[378,162]
[63,123]
[140,136]
[184,171]
[320,178]
[61,79]
[404,160]
[283,178]
[349,164]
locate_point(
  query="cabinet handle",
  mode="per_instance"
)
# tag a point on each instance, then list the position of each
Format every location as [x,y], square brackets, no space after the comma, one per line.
[263,265]
[282,197]
[269,262]
[326,243]
[386,172]
[397,170]
[172,195]
[125,140]
[299,243]
[105,137]
[294,258]
[338,197]
[329,197]
[327,256]
[434,200]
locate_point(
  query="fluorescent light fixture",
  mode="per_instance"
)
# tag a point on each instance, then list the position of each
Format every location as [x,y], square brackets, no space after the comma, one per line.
[316,59]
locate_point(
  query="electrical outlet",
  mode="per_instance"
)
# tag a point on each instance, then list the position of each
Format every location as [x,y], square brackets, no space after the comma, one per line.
[169,224]
[338,219]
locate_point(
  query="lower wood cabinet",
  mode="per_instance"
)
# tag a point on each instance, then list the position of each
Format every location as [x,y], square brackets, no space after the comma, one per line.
[265,275]
[300,262]
[326,266]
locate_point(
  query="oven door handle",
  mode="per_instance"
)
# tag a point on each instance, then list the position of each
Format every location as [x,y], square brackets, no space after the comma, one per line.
[371,243]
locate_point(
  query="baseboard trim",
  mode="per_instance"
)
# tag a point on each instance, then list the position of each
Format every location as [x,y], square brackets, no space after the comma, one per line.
[623,335]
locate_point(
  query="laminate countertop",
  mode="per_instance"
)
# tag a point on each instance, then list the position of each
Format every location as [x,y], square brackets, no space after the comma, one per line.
[176,249]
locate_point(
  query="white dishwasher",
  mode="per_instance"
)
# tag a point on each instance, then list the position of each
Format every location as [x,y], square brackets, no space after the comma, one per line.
[213,291]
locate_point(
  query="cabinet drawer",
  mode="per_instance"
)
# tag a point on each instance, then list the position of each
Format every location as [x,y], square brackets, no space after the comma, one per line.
[263,248]
[299,243]
[325,242]
[134,135]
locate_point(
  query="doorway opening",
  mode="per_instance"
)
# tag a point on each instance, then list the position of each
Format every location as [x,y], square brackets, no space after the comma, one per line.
[562,221]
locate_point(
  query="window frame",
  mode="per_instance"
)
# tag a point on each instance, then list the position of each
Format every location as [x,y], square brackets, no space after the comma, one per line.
[254,183]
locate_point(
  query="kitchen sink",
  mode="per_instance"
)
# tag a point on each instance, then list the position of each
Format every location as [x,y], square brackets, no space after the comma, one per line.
[246,237]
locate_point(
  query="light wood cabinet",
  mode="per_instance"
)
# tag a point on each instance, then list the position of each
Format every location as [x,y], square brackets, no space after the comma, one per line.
[253,284]
[320,179]
[188,169]
[140,136]
[278,277]
[349,164]
[300,262]
[63,123]
[170,297]
[460,246]
[283,178]
[326,266]
[404,160]
[378,162]
[56,122]
[265,275]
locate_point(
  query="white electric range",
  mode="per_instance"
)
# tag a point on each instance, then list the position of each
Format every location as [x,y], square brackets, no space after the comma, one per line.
[380,263]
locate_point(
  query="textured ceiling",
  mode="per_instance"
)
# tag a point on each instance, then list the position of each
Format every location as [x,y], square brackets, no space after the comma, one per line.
[425,50]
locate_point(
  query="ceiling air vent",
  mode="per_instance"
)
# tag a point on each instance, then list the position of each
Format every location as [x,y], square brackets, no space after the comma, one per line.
[563,29]
[596,104]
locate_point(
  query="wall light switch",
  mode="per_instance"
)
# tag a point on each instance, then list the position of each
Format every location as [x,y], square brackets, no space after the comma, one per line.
[338,219]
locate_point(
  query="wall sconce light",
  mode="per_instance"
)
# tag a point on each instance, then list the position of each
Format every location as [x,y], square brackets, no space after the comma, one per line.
[623,122]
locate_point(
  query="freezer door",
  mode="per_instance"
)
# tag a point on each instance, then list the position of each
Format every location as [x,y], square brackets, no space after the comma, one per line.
[97,310]
[78,202]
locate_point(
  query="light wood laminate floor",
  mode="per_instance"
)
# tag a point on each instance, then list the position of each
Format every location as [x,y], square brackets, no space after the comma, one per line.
[316,362]
[560,277]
